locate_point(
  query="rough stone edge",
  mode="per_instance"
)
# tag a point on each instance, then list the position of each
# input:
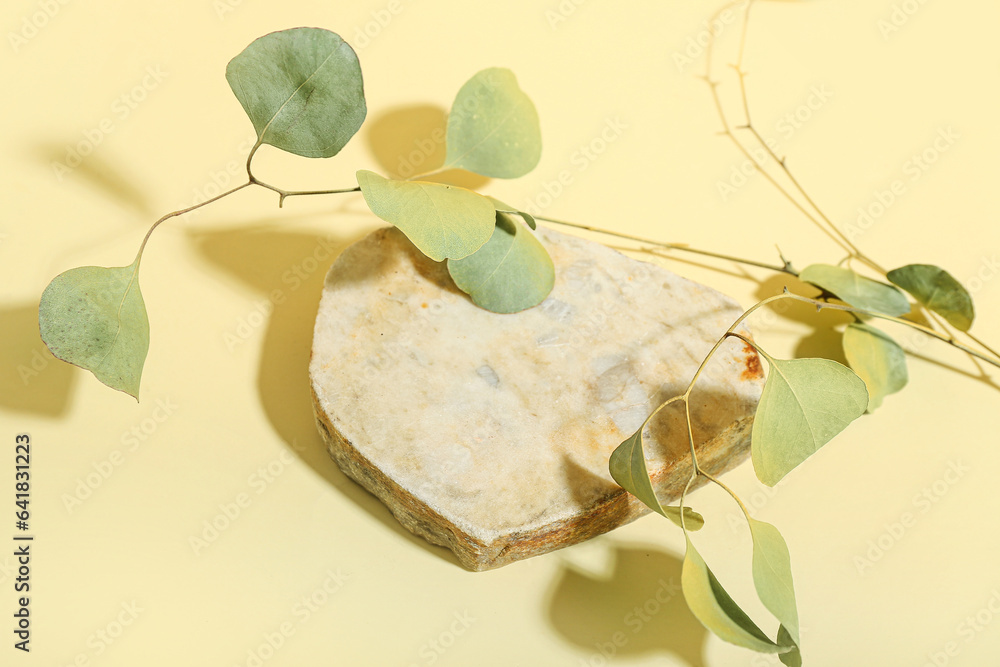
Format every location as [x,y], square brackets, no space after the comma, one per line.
[613,510]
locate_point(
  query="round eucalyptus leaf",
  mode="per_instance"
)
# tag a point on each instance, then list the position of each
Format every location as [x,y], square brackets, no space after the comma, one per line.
[302,90]
[493,127]
[510,273]
[94,317]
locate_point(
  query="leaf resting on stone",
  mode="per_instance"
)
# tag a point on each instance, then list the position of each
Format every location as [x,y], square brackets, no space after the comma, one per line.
[507,208]
[94,317]
[510,273]
[443,221]
[302,90]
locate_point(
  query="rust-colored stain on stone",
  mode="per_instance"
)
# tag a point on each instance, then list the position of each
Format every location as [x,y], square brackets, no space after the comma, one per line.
[752,369]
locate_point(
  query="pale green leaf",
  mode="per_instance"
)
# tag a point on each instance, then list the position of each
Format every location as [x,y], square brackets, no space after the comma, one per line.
[857,290]
[717,611]
[792,658]
[772,576]
[877,359]
[493,127]
[628,468]
[94,317]
[510,273]
[302,89]
[443,221]
[506,208]
[938,290]
[805,403]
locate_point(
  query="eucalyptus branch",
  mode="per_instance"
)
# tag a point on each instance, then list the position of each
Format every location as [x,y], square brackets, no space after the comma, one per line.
[820,219]
[681,247]
[183,211]
[282,193]
[934,333]
[727,130]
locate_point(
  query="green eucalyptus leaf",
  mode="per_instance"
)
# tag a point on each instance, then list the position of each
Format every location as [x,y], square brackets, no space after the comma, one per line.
[302,89]
[717,611]
[856,290]
[877,359]
[772,576]
[94,317]
[938,290]
[628,468]
[792,658]
[805,403]
[493,127]
[443,221]
[505,208]
[510,273]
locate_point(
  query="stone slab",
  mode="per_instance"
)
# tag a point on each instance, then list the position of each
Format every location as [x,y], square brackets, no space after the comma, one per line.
[490,434]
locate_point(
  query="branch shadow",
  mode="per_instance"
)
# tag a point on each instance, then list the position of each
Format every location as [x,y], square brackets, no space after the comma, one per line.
[289,268]
[104,177]
[32,380]
[638,610]
[410,140]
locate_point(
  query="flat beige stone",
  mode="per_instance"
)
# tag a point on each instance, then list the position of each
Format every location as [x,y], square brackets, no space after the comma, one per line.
[490,434]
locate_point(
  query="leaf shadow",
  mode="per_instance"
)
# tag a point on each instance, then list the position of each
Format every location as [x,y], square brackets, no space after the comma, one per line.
[289,268]
[101,175]
[32,381]
[410,140]
[636,611]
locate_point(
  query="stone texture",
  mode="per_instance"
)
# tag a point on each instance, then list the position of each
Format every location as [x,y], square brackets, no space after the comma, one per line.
[490,434]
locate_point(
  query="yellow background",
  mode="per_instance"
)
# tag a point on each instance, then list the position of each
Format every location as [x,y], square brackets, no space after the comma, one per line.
[239,408]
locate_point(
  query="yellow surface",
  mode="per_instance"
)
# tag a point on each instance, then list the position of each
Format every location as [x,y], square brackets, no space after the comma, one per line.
[217,415]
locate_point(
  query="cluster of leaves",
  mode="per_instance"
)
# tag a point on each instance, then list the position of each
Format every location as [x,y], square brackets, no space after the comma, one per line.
[303,91]
[804,404]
